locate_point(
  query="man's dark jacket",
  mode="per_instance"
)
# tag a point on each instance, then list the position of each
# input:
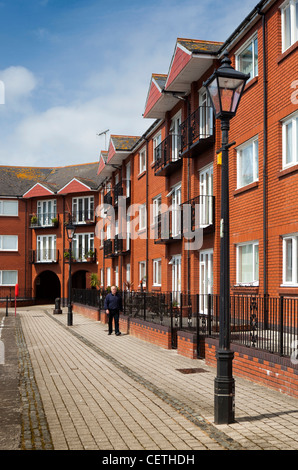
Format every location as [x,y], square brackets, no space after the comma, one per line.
[113,302]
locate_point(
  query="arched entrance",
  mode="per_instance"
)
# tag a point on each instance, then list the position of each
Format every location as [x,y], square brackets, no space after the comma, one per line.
[78,279]
[47,287]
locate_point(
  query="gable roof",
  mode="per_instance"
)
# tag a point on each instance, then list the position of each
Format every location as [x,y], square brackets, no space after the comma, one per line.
[20,181]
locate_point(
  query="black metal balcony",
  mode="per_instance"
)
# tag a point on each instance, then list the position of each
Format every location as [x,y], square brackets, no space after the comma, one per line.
[44,220]
[197,131]
[118,191]
[205,213]
[83,217]
[44,256]
[115,247]
[168,226]
[167,155]
[107,199]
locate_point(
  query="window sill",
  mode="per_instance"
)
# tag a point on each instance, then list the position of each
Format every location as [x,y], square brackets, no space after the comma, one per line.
[140,175]
[287,52]
[288,290]
[288,171]
[246,188]
[250,83]
[245,288]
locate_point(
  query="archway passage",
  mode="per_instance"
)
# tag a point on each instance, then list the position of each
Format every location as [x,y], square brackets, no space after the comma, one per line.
[79,280]
[47,288]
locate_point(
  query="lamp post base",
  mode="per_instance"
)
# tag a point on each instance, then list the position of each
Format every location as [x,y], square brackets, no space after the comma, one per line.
[224,389]
[69,316]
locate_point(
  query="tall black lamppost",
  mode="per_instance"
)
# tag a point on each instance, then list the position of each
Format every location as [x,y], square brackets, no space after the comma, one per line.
[70,230]
[225,88]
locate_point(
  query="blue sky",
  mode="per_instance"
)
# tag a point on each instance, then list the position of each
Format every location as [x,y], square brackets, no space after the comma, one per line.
[75,68]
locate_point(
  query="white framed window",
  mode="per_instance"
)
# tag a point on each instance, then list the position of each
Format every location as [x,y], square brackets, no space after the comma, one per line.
[46,212]
[128,272]
[82,209]
[82,244]
[175,132]
[8,278]
[8,243]
[142,216]
[247,261]
[206,278]
[109,280]
[176,278]
[289,23]
[142,272]
[101,276]
[176,210]
[248,163]
[142,160]
[206,114]
[157,272]
[247,57]
[156,143]
[46,249]
[9,208]
[290,258]
[290,141]
[206,196]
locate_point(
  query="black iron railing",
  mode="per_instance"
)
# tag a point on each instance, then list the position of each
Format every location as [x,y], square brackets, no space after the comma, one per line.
[197,128]
[44,256]
[265,323]
[167,152]
[202,211]
[107,199]
[44,220]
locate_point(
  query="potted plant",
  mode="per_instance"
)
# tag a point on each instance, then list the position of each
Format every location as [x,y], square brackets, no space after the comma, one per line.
[55,221]
[94,281]
[34,220]
[90,255]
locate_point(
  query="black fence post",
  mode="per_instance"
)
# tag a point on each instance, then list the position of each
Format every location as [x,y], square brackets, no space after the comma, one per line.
[281,327]
[7,305]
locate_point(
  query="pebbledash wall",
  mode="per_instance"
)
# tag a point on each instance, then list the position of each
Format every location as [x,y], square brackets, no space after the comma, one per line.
[263,200]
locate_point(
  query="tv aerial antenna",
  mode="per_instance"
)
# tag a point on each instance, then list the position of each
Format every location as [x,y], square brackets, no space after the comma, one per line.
[105,134]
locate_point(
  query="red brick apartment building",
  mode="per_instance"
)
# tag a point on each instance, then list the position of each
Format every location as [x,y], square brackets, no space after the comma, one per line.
[148,179]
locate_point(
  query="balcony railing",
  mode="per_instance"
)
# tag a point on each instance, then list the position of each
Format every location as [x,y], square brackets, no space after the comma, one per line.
[44,256]
[197,130]
[169,227]
[83,217]
[202,208]
[44,220]
[107,199]
[167,155]
[115,247]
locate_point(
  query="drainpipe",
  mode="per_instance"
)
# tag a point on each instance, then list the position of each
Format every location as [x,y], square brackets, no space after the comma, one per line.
[264,153]
[147,215]
[188,192]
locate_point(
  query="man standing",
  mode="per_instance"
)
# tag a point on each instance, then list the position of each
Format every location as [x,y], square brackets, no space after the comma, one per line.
[113,305]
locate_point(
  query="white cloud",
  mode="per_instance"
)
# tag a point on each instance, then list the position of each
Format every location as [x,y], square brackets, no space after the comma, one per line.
[19,82]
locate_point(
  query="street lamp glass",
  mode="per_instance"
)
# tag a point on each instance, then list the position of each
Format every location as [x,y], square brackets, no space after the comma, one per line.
[70,230]
[225,88]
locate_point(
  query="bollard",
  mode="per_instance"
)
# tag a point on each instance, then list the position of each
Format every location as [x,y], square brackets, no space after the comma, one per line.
[7,305]
[57,309]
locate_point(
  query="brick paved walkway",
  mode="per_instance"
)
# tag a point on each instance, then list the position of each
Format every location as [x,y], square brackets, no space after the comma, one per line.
[82,389]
